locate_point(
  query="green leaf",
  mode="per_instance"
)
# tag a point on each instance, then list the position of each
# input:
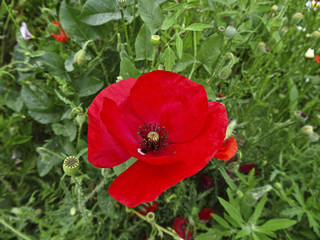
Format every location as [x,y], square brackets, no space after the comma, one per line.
[258,210]
[212,234]
[294,95]
[185,61]
[124,166]
[151,14]
[128,69]
[46,160]
[198,26]
[35,99]
[54,64]
[143,44]
[86,85]
[14,101]
[67,129]
[227,178]
[232,211]
[221,221]
[168,22]
[179,46]
[106,204]
[209,51]
[243,232]
[169,59]
[277,224]
[97,12]
[45,117]
[78,31]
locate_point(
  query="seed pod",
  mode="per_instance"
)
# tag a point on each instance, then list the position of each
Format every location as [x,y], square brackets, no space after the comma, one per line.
[80,57]
[151,217]
[306,130]
[71,165]
[230,31]
[155,40]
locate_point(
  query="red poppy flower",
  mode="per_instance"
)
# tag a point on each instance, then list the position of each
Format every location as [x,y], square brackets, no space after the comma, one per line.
[205,214]
[318,59]
[206,182]
[149,208]
[62,36]
[180,225]
[163,120]
[246,168]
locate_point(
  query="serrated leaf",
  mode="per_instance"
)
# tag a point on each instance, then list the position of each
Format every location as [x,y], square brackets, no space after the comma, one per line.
[258,210]
[209,51]
[151,14]
[212,234]
[198,27]
[143,44]
[128,69]
[169,59]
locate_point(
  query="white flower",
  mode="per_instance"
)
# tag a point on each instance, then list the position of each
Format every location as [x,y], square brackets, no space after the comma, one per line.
[25,31]
[312,4]
[309,53]
[300,28]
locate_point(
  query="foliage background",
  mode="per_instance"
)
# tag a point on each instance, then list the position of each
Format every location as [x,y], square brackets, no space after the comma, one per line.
[45,95]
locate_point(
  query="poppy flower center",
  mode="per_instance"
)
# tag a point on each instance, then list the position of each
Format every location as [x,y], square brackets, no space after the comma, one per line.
[152,137]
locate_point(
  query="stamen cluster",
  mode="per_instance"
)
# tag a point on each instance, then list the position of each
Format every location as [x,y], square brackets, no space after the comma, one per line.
[152,137]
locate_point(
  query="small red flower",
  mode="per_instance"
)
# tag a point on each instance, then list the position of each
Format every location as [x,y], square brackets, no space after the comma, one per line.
[220,95]
[205,214]
[246,168]
[318,59]
[149,208]
[62,36]
[206,182]
[163,120]
[180,225]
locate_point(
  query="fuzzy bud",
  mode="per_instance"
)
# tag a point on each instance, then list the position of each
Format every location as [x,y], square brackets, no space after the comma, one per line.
[314,137]
[230,31]
[301,116]
[80,57]
[276,24]
[306,130]
[155,40]
[315,35]
[225,72]
[71,165]
[275,8]
[297,17]
[80,118]
[262,46]
[278,185]
[239,194]
[255,194]
[309,53]
[122,3]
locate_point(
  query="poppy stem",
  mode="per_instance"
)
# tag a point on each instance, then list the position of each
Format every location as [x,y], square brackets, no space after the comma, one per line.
[100,60]
[153,57]
[15,231]
[126,33]
[194,53]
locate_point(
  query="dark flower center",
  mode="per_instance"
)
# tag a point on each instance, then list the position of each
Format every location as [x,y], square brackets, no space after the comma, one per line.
[152,137]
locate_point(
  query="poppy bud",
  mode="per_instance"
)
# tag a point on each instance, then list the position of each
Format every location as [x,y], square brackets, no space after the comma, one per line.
[276,24]
[297,17]
[239,194]
[155,40]
[80,118]
[80,57]
[314,137]
[122,3]
[230,31]
[309,53]
[52,28]
[306,130]
[274,8]
[301,116]
[38,211]
[151,217]
[255,194]
[71,165]
[278,185]
[315,35]
[262,46]
[284,30]
[73,211]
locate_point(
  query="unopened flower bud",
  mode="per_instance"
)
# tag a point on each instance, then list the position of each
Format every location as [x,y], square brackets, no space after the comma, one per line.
[306,130]
[80,57]
[225,72]
[309,53]
[276,24]
[274,8]
[262,46]
[297,17]
[77,110]
[255,194]
[301,116]
[233,167]
[315,34]
[314,137]
[38,211]
[155,40]
[230,31]
[278,185]
[239,194]
[73,211]
[122,3]
[284,30]
[80,118]
[264,163]
[71,165]
[151,217]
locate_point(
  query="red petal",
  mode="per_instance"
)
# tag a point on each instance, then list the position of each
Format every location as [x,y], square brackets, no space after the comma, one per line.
[60,37]
[103,150]
[205,214]
[173,101]
[318,59]
[143,182]
[227,150]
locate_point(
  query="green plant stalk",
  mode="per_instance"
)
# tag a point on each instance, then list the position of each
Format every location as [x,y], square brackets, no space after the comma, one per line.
[79,199]
[154,224]
[100,60]
[126,33]
[97,188]
[194,53]
[79,136]
[15,231]
[49,151]
[153,57]
[220,65]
